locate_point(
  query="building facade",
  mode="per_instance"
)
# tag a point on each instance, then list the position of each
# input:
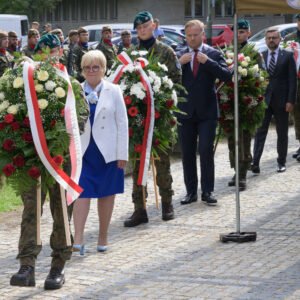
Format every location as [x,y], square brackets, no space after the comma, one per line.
[71,14]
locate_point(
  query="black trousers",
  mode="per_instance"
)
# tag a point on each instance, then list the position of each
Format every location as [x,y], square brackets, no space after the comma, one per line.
[282,127]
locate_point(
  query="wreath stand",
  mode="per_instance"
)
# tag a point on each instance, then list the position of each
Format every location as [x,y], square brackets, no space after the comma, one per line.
[39,212]
[152,159]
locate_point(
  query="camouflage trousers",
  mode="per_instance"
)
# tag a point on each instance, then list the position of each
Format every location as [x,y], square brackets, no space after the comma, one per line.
[164,181]
[245,156]
[28,248]
[296,116]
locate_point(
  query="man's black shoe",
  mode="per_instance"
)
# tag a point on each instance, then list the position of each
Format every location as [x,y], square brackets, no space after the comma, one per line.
[242,185]
[24,277]
[55,279]
[232,181]
[167,211]
[297,153]
[281,168]
[209,199]
[138,217]
[189,198]
[298,158]
[255,169]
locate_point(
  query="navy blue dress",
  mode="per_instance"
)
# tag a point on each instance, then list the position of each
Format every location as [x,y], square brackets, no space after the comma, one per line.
[98,178]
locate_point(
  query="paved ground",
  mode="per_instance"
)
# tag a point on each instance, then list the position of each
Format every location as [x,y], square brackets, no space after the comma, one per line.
[183,258]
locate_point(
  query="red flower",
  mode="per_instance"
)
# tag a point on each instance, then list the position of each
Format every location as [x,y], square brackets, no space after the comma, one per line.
[231,96]
[34,172]
[260,98]
[156,142]
[9,118]
[2,125]
[26,122]
[169,103]
[128,100]
[8,145]
[157,115]
[130,132]
[52,123]
[8,170]
[225,107]
[133,111]
[58,159]
[257,84]
[19,161]
[173,122]
[15,126]
[247,99]
[230,84]
[138,148]
[62,112]
[27,137]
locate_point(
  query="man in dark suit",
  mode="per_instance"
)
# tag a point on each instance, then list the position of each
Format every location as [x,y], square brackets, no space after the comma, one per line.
[280,98]
[201,66]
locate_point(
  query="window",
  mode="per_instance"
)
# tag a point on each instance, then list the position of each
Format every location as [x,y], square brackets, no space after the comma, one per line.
[193,8]
[75,10]
[83,8]
[113,9]
[224,8]
[93,10]
[66,10]
[57,12]
[24,27]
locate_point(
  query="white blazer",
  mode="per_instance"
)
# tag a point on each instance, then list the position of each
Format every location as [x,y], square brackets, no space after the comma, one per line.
[110,127]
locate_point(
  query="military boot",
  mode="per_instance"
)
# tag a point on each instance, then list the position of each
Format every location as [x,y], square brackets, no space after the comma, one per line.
[55,279]
[24,277]
[167,211]
[231,182]
[138,217]
[242,179]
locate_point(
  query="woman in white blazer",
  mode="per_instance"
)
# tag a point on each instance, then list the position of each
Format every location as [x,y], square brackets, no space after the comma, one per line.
[104,147]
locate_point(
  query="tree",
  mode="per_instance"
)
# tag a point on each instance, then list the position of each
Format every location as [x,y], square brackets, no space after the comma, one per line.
[27,7]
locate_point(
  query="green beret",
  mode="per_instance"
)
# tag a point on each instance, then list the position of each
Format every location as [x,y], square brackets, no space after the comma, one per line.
[297,16]
[47,40]
[243,24]
[141,18]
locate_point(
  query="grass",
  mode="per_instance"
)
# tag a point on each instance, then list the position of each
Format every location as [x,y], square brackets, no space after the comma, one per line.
[8,199]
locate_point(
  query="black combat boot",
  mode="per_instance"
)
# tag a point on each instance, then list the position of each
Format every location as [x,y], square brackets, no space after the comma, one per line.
[138,217]
[55,279]
[232,181]
[167,211]
[24,277]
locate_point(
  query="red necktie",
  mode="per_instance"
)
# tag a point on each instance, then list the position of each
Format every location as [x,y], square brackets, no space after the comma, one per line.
[195,63]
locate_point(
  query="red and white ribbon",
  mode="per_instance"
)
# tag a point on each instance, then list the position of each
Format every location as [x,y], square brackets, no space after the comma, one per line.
[295,47]
[139,64]
[70,184]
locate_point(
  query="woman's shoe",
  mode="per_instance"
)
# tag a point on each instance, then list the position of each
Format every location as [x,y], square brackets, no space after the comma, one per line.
[79,248]
[101,248]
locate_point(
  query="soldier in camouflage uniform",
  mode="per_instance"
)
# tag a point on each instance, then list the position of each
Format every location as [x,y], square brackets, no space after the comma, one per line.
[13,41]
[6,59]
[144,25]
[32,40]
[106,46]
[78,51]
[73,41]
[28,248]
[125,43]
[295,36]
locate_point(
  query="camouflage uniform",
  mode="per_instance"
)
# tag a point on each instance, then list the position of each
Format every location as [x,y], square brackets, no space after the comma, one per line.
[28,51]
[166,56]
[78,52]
[6,61]
[296,111]
[110,52]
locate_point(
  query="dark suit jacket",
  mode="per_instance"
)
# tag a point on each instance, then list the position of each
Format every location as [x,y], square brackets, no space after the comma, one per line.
[282,87]
[202,98]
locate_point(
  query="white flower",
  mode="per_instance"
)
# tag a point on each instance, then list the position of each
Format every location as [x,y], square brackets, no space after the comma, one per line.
[167,82]
[18,82]
[143,52]
[244,72]
[229,54]
[163,66]
[2,96]
[255,68]
[229,117]
[244,63]
[122,85]
[134,52]
[129,68]
[137,89]
[13,109]
[229,61]
[50,85]
[39,88]
[261,79]
[42,75]
[4,105]
[60,92]
[240,69]
[156,88]
[43,103]
[247,59]
[174,97]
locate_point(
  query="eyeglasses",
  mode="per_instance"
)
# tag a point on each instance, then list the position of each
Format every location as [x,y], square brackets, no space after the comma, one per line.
[91,68]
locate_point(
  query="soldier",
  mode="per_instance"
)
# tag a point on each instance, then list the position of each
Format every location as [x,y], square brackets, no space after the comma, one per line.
[73,40]
[145,26]
[12,42]
[28,248]
[107,47]
[64,52]
[295,36]
[125,44]
[35,25]
[245,156]
[47,28]
[6,60]
[33,38]
[79,50]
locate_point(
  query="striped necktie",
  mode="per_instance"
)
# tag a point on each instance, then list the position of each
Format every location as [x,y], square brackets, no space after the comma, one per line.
[272,64]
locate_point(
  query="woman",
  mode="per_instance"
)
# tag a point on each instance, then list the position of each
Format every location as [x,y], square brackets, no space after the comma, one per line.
[104,148]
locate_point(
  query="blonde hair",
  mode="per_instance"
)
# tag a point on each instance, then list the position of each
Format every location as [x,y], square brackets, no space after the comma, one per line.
[194,23]
[96,56]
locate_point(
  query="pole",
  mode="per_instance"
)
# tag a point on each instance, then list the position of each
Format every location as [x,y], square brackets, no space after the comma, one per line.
[38,211]
[209,24]
[65,216]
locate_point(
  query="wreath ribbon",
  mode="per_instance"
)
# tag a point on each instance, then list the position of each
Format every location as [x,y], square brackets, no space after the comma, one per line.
[39,139]
[139,64]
